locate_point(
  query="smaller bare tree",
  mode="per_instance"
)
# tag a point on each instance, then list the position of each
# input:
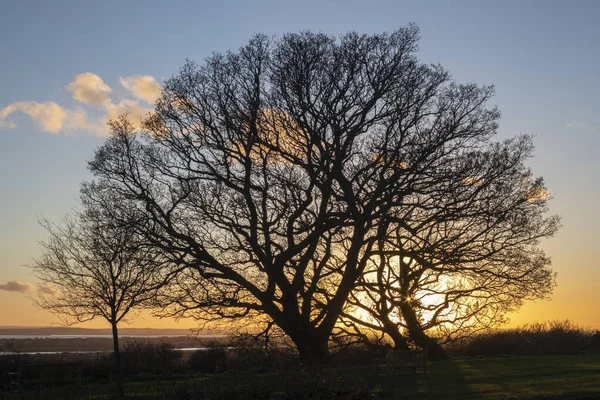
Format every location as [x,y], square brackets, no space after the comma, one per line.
[91,270]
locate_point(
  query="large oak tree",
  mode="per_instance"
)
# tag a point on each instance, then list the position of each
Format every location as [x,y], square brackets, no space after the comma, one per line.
[271,175]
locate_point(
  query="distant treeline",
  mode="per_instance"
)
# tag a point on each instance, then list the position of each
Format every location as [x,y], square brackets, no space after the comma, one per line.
[74,331]
[550,338]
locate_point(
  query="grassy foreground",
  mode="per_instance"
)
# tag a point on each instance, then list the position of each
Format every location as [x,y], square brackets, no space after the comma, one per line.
[546,377]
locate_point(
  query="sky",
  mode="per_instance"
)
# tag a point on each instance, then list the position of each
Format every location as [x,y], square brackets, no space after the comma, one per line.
[69,66]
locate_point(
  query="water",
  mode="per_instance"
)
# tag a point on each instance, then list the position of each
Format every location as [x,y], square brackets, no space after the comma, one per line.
[12,353]
[102,336]
[43,337]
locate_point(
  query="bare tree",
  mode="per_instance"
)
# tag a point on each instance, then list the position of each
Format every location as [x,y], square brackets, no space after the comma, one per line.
[91,270]
[461,251]
[271,175]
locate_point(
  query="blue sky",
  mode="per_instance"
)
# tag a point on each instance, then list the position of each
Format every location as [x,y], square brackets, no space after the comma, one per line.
[543,57]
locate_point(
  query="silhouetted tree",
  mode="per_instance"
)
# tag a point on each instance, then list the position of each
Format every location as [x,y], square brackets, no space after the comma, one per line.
[271,175]
[90,269]
[461,251]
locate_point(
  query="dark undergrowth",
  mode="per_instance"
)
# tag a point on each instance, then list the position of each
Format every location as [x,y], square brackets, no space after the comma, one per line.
[550,338]
[565,361]
[488,378]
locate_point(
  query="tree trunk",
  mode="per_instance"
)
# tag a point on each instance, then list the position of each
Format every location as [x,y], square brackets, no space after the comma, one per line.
[117,354]
[391,329]
[311,342]
[399,340]
[312,349]
[418,335]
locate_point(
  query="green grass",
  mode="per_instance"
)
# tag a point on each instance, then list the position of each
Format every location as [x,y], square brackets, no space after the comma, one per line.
[546,377]
[513,378]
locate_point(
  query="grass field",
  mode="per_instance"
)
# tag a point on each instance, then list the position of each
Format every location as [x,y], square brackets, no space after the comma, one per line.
[546,377]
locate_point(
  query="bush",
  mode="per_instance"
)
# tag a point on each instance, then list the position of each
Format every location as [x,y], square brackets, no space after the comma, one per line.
[91,367]
[210,361]
[249,352]
[145,357]
[552,338]
[97,368]
[345,350]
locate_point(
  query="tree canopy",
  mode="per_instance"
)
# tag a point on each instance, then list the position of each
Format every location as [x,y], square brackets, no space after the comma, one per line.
[279,179]
[93,269]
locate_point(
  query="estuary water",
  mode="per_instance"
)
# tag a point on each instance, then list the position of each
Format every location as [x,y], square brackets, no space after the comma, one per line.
[77,340]
[103,336]
[12,353]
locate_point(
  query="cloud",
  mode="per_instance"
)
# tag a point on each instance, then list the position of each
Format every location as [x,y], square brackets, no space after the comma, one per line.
[537,194]
[16,286]
[576,124]
[50,116]
[474,181]
[45,289]
[582,125]
[143,87]
[132,107]
[7,124]
[90,89]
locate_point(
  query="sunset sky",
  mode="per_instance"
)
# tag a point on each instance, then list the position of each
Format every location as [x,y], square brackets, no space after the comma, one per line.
[68,66]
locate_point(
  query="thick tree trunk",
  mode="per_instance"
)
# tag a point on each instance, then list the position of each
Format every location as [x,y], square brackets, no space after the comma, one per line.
[117,354]
[418,335]
[391,329]
[311,342]
[399,340]
[312,349]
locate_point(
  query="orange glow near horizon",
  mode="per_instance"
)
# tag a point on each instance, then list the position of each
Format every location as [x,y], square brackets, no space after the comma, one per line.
[570,301]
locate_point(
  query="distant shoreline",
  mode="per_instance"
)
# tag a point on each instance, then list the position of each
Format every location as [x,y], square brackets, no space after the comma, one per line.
[53,344]
[22,337]
[12,353]
[77,331]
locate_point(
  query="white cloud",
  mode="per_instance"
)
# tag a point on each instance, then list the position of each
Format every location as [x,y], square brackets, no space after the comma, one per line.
[537,194]
[16,286]
[474,181]
[143,87]
[90,89]
[45,289]
[132,107]
[576,124]
[582,125]
[50,116]
[7,124]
